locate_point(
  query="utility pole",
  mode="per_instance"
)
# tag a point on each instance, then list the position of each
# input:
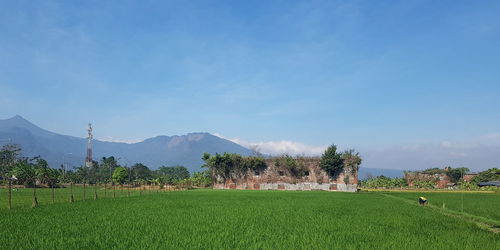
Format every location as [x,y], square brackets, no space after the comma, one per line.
[462,191]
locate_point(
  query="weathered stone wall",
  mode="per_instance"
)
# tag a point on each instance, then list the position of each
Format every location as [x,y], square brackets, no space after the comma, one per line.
[468,177]
[277,178]
[442,180]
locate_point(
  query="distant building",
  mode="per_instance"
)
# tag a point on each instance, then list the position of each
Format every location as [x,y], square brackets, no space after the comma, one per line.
[468,177]
[437,176]
[277,178]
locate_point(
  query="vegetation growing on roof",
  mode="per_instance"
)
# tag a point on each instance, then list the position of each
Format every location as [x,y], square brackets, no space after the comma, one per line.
[291,165]
[228,165]
[334,162]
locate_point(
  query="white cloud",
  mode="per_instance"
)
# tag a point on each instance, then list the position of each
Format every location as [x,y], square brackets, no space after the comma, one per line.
[112,139]
[477,153]
[279,147]
[455,145]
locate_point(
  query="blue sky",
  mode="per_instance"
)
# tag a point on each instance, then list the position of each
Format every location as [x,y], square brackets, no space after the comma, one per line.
[364,74]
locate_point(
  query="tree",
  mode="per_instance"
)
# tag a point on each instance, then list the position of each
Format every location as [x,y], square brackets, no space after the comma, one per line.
[120,175]
[140,171]
[9,156]
[456,174]
[492,174]
[107,166]
[334,162]
[48,176]
[171,175]
[351,160]
[24,173]
[81,174]
[202,179]
[331,161]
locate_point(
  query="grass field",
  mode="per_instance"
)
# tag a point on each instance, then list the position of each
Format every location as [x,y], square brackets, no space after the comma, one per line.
[22,197]
[478,204]
[244,219]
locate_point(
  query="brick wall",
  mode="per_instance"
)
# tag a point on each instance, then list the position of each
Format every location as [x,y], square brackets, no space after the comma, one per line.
[278,178]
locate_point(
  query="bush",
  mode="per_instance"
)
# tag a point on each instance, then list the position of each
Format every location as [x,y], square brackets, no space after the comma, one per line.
[291,165]
[334,162]
[331,161]
[492,174]
[428,184]
[230,165]
[384,182]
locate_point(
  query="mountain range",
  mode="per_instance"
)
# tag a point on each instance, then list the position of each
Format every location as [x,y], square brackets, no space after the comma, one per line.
[185,150]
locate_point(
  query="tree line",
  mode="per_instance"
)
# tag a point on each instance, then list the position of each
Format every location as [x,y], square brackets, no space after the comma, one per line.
[455,175]
[36,171]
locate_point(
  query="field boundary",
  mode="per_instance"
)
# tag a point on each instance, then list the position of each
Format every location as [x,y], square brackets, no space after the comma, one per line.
[483,223]
[375,190]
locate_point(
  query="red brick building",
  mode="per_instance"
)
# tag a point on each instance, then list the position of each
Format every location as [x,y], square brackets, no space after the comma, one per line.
[277,178]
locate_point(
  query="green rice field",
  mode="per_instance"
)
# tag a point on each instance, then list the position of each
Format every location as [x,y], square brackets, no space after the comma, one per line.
[245,219]
[483,205]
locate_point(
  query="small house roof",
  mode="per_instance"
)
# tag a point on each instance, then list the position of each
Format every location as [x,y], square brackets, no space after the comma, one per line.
[489,183]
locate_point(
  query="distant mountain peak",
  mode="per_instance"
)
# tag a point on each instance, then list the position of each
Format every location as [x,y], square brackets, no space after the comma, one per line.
[158,151]
[18,119]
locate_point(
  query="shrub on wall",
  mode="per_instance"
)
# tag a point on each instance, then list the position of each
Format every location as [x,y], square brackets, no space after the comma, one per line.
[334,162]
[291,165]
[228,165]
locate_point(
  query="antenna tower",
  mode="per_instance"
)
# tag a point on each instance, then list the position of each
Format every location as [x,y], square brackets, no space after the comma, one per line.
[88,159]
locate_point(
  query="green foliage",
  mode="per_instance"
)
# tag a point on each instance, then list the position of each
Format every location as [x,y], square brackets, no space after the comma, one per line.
[140,171]
[229,165]
[172,175]
[29,171]
[24,173]
[351,160]
[492,174]
[384,182]
[46,175]
[104,170]
[432,171]
[331,161]
[291,165]
[202,179]
[9,155]
[467,185]
[456,174]
[427,184]
[334,162]
[254,163]
[120,175]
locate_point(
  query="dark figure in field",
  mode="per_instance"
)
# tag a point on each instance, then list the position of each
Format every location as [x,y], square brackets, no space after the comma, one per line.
[422,201]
